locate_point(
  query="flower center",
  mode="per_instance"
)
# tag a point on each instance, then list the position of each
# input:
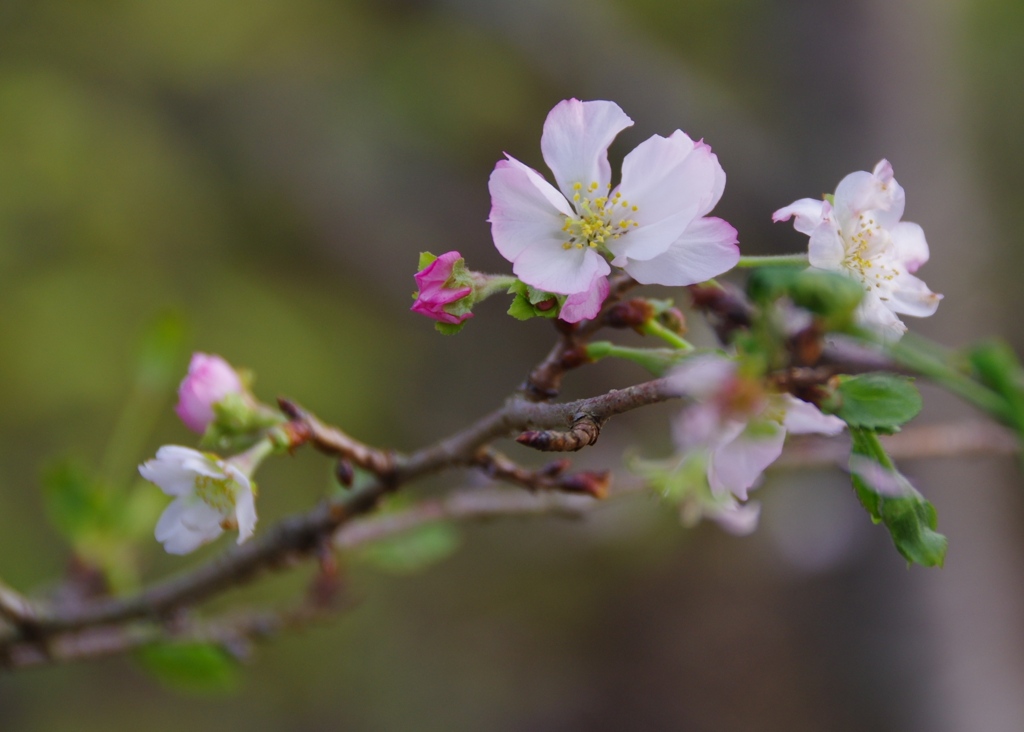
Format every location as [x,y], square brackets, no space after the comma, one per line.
[217,493]
[598,218]
[866,248]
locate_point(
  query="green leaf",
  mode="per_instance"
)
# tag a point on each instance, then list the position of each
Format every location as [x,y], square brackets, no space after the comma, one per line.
[78,504]
[880,401]
[161,349]
[911,519]
[414,550]
[997,367]
[191,667]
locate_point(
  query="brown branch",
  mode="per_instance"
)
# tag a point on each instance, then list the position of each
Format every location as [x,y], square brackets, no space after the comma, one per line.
[583,433]
[15,608]
[333,441]
[465,505]
[300,535]
[551,477]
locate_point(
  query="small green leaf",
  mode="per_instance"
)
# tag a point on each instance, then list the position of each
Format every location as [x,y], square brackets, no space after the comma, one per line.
[161,349]
[191,667]
[997,367]
[414,550]
[880,401]
[78,504]
[910,519]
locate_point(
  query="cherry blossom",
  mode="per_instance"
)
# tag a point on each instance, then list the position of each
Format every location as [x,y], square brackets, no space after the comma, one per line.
[210,495]
[859,233]
[654,224]
[210,378]
[738,427]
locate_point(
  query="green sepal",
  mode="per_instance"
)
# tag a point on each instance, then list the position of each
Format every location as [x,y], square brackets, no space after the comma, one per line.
[911,519]
[426,259]
[880,402]
[238,422]
[524,305]
[191,667]
[448,328]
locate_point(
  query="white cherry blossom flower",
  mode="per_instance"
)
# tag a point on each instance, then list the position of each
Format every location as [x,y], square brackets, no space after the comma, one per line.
[860,235]
[740,429]
[654,224]
[210,495]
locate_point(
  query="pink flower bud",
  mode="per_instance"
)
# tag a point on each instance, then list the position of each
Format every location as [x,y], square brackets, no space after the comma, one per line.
[209,380]
[435,290]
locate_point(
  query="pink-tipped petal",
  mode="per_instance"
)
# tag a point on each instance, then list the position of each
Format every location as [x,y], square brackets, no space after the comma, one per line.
[525,209]
[911,296]
[663,175]
[911,246]
[706,249]
[547,266]
[864,193]
[575,141]
[807,214]
[585,305]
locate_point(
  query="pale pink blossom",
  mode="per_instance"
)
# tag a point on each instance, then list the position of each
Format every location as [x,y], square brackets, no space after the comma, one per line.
[654,224]
[860,235]
[437,290]
[209,495]
[210,378]
[740,430]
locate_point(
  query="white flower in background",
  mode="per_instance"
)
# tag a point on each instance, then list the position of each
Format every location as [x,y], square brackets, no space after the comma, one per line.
[739,428]
[653,224]
[210,495]
[860,234]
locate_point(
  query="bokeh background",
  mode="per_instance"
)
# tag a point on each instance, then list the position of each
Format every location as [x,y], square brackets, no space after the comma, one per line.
[267,171]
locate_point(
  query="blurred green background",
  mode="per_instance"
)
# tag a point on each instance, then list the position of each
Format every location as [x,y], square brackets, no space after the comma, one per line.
[267,171]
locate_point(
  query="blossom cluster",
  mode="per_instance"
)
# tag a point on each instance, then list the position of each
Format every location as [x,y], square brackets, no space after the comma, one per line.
[563,240]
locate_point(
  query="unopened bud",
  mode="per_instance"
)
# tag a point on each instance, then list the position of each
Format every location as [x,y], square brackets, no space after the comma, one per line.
[631,313]
[589,483]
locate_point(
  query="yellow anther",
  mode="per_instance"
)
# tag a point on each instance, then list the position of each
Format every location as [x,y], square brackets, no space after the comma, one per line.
[577,186]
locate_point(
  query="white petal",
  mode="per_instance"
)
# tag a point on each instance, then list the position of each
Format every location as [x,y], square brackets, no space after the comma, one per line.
[547,266]
[806,214]
[826,249]
[585,305]
[185,525]
[245,512]
[706,249]
[880,479]
[875,314]
[804,418]
[576,139]
[649,240]
[696,426]
[864,193]
[169,470]
[911,246]
[736,466]
[702,375]
[738,519]
[911,296]
[525,209]
[664,175]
